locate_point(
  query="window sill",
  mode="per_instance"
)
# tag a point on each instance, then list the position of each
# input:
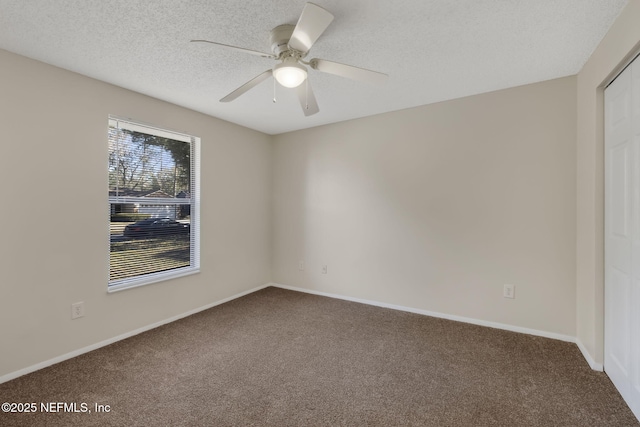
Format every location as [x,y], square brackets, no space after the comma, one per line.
[118,286]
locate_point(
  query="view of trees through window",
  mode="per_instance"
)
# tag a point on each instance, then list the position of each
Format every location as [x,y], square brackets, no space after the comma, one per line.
[150,197]
[140,162]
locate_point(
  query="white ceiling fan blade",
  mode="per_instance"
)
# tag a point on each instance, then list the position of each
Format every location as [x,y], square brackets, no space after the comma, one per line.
[307,99]
[312,23]
[236,48]
[348,71]
[248,85]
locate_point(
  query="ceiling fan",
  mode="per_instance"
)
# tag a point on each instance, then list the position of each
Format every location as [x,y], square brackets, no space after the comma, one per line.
[290,44]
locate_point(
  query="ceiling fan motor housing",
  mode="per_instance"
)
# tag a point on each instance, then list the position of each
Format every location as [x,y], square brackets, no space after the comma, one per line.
[279,39]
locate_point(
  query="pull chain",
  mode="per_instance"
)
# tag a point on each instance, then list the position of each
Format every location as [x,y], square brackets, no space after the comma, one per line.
[274,90]
[306,93]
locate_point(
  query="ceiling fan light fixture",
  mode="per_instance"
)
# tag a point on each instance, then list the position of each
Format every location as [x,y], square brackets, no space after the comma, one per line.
[289,73]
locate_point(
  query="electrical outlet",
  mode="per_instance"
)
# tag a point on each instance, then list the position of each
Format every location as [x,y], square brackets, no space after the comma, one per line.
[301,265]
[77,310]
[509,291]
[324,269]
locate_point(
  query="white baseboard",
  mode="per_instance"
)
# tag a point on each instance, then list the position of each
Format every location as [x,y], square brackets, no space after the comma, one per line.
[479,322]
[594,365]
[75,353]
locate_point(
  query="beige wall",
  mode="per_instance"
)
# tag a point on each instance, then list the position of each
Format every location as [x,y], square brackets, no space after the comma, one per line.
[613,52]
[54,247]
[435,208]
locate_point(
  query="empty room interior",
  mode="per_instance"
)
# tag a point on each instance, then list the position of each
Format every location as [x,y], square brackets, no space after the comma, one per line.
[458,182]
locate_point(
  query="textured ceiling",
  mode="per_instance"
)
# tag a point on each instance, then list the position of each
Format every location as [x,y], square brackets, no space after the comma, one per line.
[433,50]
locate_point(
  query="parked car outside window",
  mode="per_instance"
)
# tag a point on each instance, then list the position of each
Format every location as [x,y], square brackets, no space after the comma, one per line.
[156,228]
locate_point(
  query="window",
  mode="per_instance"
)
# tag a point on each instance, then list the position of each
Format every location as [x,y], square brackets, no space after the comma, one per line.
[153,204]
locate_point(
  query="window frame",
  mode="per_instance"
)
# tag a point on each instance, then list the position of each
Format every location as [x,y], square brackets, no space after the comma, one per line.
[194,267]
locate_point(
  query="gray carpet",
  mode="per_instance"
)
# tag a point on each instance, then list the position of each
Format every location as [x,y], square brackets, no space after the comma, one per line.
[283,358]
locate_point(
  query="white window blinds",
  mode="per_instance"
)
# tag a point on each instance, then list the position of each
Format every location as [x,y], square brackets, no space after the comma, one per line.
[153,204]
